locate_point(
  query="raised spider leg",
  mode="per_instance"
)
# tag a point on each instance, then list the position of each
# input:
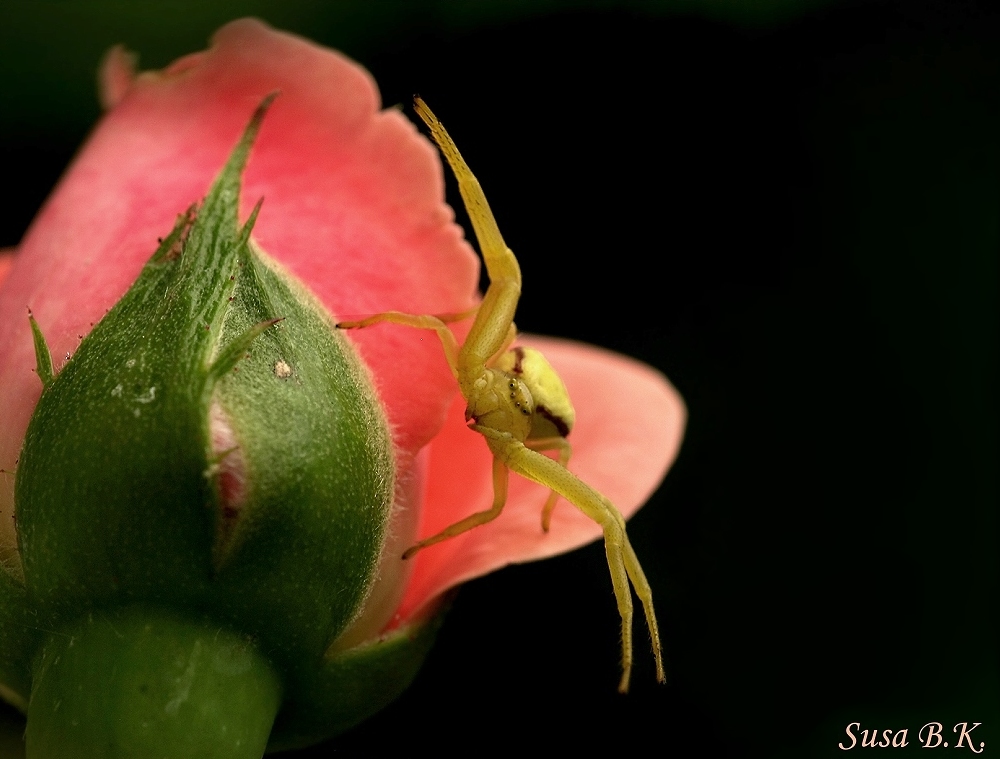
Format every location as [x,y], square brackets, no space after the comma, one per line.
[622,562]
[505,345]
[565,451]
[490,330]
[500,478]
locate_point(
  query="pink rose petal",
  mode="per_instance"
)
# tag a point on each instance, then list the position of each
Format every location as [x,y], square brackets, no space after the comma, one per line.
[6,262]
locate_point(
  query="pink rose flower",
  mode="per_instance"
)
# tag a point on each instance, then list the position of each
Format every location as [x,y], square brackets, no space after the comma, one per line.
[353,207]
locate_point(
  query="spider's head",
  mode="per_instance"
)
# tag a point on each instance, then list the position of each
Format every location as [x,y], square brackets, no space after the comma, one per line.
[501,402]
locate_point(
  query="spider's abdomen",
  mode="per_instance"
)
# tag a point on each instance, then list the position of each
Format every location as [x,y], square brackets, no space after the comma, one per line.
[553,410]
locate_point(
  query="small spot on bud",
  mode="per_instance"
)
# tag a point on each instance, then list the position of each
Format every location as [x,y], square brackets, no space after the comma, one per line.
[282,370]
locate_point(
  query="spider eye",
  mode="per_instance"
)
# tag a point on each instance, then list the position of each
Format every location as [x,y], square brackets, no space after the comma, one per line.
[525,411]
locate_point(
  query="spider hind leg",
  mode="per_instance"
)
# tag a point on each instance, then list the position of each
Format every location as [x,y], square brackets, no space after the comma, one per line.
[622,561]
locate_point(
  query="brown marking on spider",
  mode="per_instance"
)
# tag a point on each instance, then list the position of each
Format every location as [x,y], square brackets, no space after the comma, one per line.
[518,367]
[557,422]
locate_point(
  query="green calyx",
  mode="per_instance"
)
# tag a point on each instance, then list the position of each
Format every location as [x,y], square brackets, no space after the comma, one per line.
[211,461]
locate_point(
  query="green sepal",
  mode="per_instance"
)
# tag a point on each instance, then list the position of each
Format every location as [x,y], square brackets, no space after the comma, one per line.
[110,496]
[352,685]
[236,350]
[43,359]
[315,448]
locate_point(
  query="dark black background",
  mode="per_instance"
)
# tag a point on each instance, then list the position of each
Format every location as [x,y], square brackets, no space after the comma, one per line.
[797,222]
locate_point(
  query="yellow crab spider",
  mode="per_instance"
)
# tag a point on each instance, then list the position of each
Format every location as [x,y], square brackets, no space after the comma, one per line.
[520,405]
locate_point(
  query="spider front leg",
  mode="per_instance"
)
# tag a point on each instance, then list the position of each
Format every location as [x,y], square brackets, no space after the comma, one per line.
[419,321]
[500,477]
[622,561]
